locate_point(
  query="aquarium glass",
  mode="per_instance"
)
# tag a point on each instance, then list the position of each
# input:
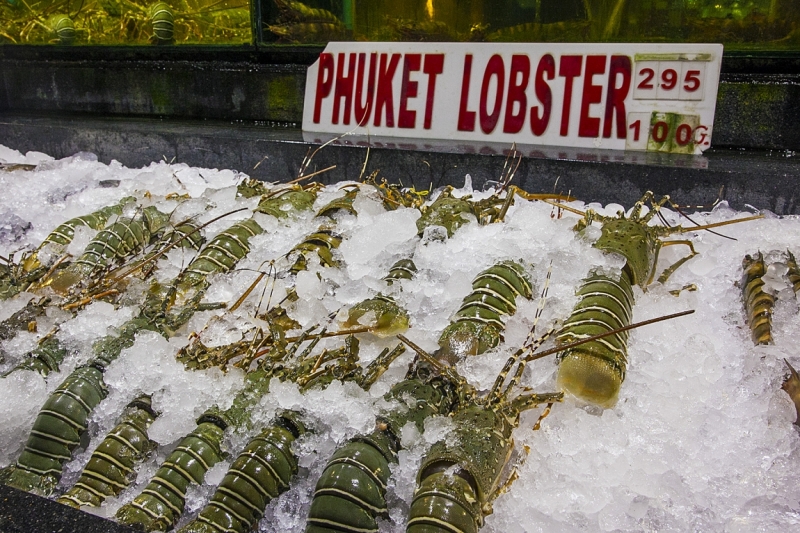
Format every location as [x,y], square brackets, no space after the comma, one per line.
[757,25]
[739,25]
[125,22]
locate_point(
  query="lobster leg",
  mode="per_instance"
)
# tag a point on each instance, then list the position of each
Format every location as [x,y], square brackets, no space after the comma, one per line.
[677,264]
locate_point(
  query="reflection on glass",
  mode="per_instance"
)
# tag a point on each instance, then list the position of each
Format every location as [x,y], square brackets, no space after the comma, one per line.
[111,22]
[294,22]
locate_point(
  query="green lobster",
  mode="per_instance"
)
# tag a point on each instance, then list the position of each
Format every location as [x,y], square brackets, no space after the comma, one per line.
[350,494]
[595,370]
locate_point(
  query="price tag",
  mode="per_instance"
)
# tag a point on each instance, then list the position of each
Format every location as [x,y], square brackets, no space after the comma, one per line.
[612,96]
[670,80]
[667,132]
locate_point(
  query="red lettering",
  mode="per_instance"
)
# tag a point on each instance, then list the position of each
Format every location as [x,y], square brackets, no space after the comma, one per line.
[324,83]
[513,122]
[434,65]
[384,97]
[590,126]
[408,89]
[495,67]
[547,66]
[466,119]
[363,111]
[615,98]
[344,88]
[569,68]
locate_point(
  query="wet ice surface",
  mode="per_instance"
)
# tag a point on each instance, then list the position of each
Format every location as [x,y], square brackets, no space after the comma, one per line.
[701,440]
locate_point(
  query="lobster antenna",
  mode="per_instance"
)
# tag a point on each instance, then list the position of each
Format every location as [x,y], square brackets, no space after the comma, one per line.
[309,176]
[273,271]
[508,172]
[529,341]
[444,369]
[250,289]
[366,159]
[533,357]
[118,277]
[307,159]
[681,229]
[560,205]
[328,334]
[687,217]
[555,185]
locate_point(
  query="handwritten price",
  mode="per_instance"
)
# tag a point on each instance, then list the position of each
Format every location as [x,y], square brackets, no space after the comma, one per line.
[666,132]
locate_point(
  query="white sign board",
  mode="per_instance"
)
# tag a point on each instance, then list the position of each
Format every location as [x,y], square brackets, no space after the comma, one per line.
[653,97]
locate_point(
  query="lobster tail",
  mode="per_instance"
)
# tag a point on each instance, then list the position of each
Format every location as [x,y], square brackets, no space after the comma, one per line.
[322,243]
[341,204]
[110,467]
[758,303]
[56,432]
[261,472]
[594,371]
[221,254]
[351,493]
[478,325]
[285,202]
[403,269]
[121,239]
[458,480]
[65,232]
[159,506]
[163,20]
[445,502]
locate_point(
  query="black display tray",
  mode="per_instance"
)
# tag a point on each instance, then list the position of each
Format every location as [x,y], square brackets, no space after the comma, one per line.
[21,512]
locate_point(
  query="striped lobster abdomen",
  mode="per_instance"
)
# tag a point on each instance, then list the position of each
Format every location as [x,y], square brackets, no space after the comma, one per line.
[97,220]
[351,493]
[478,325]
[111,465]
[321,243]
[595,370]
[261,472]
[757,302]
[159,506]
[120,240]
[403,269]
[221,254]
[163,20]
[57,431]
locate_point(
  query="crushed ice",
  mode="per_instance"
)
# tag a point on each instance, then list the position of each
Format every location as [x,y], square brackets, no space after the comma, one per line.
[701,440]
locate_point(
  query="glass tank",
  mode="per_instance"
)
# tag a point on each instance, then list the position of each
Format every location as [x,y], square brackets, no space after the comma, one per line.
[121,22]
[738,24]
[746,24]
